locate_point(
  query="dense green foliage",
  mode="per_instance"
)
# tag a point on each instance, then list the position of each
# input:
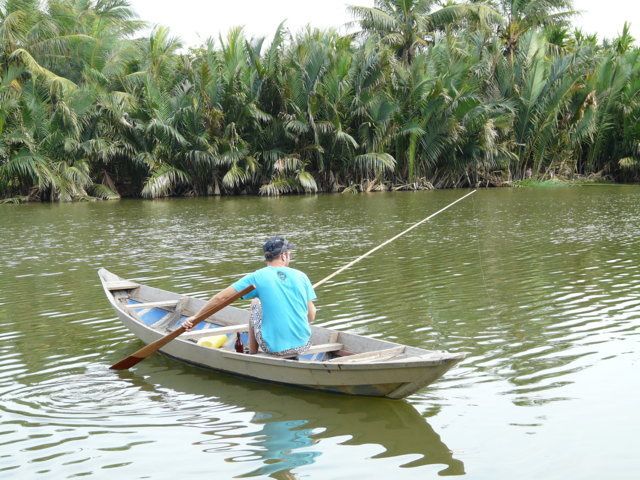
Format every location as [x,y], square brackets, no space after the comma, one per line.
[424,93]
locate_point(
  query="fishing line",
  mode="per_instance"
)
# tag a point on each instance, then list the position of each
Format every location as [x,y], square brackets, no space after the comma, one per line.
[484,280]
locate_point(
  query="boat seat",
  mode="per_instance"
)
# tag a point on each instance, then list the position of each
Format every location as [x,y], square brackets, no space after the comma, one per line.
[120,285]
[166,303]
[154,315]
[320,348]
[216,331]
[371,356]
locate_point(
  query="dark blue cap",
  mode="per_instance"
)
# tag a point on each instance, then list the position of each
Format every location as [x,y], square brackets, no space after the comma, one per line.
[275,246]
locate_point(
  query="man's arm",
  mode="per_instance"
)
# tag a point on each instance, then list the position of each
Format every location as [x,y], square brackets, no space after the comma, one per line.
[311,295]
[311,311]
[216,300]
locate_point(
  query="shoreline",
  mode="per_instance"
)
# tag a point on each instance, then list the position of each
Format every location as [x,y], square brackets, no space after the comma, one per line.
[374,187]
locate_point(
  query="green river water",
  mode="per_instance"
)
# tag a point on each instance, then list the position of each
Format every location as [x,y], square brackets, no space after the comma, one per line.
[541,287]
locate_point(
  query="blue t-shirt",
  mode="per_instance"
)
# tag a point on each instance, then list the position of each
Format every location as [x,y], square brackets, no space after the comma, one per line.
[284,294]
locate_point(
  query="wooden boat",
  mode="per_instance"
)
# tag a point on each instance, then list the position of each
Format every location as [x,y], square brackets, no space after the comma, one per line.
[336,362]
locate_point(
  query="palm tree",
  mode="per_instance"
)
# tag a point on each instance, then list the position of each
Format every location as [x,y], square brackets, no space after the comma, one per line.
[409,25]
[614,88]
[524,15]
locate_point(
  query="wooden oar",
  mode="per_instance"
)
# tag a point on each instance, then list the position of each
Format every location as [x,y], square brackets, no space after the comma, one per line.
[148,350]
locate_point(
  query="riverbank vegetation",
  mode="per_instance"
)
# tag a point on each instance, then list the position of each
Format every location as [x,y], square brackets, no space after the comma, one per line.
[423,94]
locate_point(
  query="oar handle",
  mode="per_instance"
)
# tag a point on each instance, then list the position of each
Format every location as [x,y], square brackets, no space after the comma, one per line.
[147,350]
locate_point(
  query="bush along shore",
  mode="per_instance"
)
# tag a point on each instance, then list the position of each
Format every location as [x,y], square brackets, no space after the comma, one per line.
[419,95]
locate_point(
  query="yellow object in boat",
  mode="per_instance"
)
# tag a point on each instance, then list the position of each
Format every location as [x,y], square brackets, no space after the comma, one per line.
[215,341]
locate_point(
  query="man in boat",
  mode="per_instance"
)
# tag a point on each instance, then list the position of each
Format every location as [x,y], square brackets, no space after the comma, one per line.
[282,306]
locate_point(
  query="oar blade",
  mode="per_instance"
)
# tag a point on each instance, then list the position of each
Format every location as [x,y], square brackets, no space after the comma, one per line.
[126,363]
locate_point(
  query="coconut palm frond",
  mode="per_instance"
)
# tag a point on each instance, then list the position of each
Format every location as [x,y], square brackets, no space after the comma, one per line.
[325,127]
[163,180]
[279,186]
[371,18]
[346,139]
[24,57]
[307,182]
[296,126]
[165,131]
[235,177]
[103,192]
[375,161]
[482,13]
[629,163]
[26,166]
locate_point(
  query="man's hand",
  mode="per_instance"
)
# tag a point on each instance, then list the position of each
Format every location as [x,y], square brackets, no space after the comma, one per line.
[188,323]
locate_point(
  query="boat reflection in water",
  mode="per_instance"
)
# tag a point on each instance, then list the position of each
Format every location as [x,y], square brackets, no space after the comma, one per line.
[287,422]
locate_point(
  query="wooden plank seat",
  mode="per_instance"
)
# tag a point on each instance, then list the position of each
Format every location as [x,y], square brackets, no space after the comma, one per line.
[320,348]
[216,331]
[120,285]
[166,303]
[171,319]
[372,356]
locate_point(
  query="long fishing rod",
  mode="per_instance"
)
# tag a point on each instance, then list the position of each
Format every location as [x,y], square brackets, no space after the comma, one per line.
[415,225]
